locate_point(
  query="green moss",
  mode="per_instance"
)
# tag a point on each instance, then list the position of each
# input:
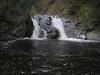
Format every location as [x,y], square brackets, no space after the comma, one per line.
[86,16]
[17,11]
[86,11]
[95,34]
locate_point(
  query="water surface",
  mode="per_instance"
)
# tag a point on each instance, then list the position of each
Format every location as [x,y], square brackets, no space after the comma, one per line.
[50,57]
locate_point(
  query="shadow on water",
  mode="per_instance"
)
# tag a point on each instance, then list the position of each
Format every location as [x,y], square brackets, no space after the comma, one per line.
[49,57]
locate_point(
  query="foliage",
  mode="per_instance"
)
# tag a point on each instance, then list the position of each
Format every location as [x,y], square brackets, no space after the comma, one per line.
[14,13]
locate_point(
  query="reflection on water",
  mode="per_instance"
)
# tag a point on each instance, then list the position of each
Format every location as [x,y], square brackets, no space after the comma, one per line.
[50,57]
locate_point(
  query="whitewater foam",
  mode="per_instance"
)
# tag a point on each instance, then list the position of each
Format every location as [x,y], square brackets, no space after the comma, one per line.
[37,30]
[57,23]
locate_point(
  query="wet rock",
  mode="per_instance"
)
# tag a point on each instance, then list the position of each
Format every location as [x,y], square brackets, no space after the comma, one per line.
[28,27]
[49,31]
[53,34]
[49,19]
[78,23]
[48,23]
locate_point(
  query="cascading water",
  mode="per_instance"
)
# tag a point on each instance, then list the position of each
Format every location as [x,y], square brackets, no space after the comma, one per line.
[45,34]
[37,30]
[48,27]
[57,23]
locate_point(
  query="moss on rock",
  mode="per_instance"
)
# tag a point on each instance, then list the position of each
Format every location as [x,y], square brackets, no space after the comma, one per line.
[14,14]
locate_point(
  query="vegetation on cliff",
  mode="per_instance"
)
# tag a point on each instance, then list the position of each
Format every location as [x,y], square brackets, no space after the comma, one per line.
[15,14]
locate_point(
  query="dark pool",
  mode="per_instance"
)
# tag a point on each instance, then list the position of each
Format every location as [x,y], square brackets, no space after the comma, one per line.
[49,57]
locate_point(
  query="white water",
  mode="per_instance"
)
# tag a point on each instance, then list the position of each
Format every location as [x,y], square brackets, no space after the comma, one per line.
[37,31]
[45,34]
[57,23]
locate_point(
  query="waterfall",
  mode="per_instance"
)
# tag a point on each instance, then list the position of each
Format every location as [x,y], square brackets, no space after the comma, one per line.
[44,27]
[37,30]
[57,23]
[45,34]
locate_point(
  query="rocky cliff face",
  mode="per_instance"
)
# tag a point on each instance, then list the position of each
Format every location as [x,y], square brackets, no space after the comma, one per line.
[15,15]
[15,20]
